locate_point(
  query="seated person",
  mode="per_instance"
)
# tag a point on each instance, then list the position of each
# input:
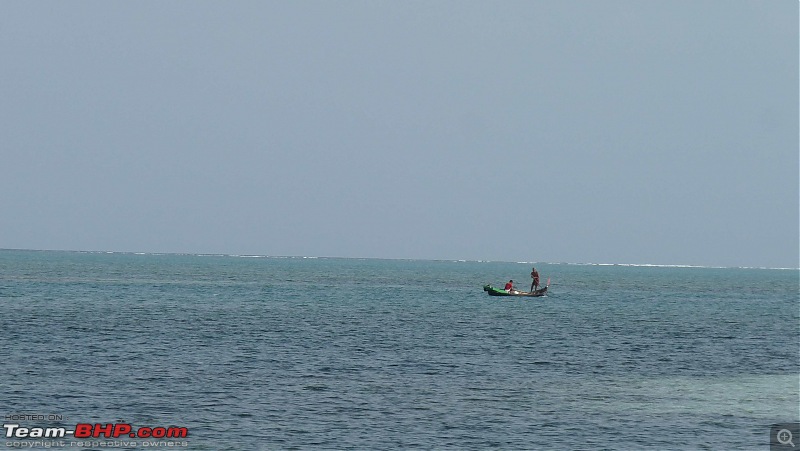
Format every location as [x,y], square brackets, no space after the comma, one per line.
[509,286]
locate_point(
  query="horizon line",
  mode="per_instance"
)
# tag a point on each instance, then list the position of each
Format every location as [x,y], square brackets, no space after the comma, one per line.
[311,257]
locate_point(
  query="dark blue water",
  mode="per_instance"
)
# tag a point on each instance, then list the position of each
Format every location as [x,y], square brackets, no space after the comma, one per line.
[291,353]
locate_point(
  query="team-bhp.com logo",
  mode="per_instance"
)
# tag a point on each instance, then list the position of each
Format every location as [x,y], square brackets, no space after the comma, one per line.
[88,430]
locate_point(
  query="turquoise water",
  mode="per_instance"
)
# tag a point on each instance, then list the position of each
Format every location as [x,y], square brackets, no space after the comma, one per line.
[314,353]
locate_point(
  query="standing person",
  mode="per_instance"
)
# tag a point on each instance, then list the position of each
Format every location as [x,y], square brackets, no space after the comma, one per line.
[509,286]
[535,277]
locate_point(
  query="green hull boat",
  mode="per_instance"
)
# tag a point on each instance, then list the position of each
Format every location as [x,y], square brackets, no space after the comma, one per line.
[498,292]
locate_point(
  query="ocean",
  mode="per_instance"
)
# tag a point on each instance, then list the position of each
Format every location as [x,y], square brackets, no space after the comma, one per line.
[267,353]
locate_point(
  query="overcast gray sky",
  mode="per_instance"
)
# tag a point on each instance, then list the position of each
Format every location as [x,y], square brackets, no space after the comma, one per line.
[555,131]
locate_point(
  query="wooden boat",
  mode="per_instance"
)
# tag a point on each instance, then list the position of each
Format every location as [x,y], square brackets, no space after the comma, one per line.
[498,292]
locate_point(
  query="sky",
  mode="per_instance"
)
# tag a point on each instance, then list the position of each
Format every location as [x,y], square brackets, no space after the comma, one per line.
[546,131]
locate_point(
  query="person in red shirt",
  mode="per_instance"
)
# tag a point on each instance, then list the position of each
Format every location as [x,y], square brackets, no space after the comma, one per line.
[510,286]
